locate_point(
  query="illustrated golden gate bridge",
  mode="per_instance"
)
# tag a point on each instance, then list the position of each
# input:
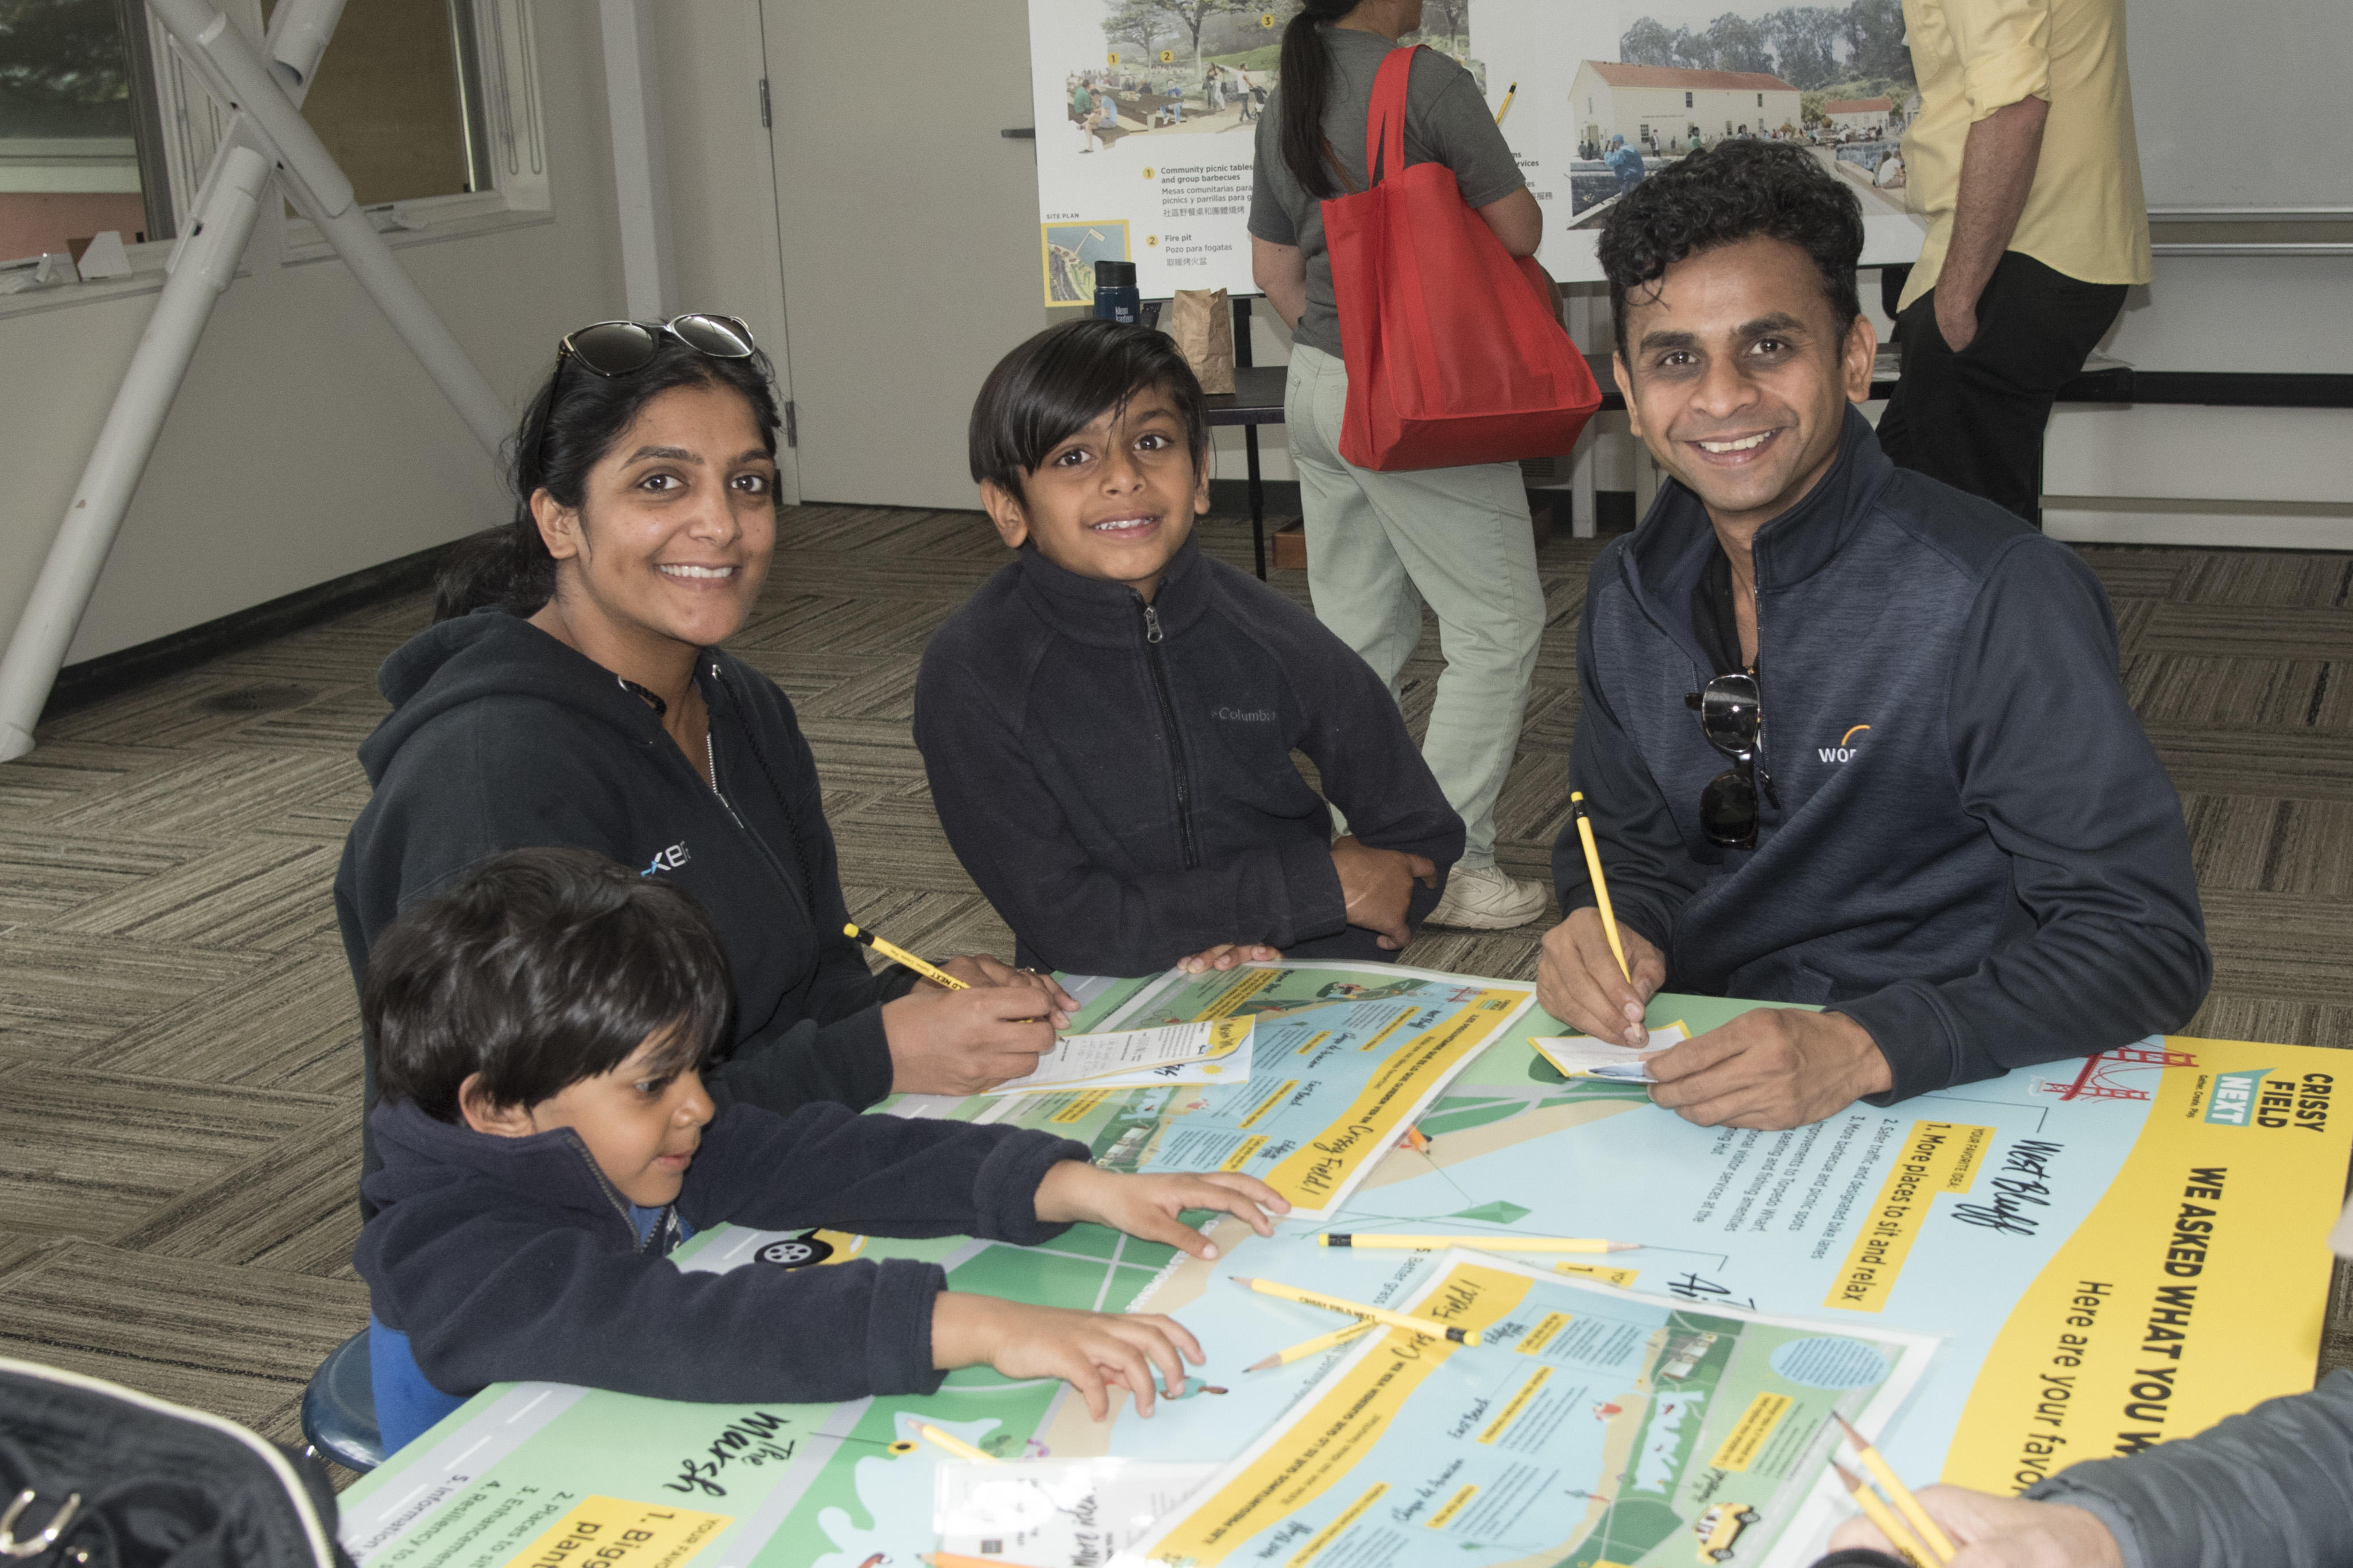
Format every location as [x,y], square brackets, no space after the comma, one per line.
[2098,1078]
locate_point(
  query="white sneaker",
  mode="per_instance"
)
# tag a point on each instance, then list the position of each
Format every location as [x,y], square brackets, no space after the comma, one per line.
[1487,899]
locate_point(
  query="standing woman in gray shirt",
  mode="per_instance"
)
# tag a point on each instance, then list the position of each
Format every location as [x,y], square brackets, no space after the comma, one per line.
[1382,545]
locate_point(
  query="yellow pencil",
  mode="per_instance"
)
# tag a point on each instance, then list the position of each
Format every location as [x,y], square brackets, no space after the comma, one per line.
[1315,1346]
[1899,1494]
[1883,1516]
[952,1443]
[1357,1309]
[1484,1243]
[1600,883]
[954,1560]
[1506,107]
[932,973]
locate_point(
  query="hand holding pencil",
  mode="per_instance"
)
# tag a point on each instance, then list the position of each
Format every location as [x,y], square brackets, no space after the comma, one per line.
[1596,974]
[1578,981]
[1994,1532]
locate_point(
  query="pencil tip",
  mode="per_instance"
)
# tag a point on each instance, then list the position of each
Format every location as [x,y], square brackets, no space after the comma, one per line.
[1242,1279]
[1853,1482]
[1847,1426]
[1625,1246]
[1263,1363]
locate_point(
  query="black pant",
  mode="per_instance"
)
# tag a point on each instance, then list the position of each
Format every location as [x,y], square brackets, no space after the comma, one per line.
[1974,419]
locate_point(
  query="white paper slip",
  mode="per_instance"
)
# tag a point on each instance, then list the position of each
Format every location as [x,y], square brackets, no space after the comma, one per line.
[1582,1056]
[1055,1513]
[1216,1051]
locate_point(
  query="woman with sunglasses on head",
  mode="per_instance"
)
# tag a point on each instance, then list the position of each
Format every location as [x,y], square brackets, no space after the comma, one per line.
[571,691]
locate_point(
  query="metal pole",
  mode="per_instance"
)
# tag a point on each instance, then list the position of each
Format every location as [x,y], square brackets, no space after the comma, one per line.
[324,193]
[202,268]
[268,121]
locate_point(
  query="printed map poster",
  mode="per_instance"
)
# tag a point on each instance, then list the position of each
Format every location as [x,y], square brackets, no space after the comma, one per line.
[1344,1058]
[1147,110]
[2116,1251]
[1589,1423]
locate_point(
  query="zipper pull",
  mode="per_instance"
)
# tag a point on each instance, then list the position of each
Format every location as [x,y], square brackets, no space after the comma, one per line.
[1151,624]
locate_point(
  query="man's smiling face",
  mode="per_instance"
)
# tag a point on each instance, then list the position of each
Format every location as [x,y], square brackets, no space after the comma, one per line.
[1736,376]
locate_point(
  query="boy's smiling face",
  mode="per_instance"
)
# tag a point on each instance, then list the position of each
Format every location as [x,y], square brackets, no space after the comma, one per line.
[1114,500]
[641,1121]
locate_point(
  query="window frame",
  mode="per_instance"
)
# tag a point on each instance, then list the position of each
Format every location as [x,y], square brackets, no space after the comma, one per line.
[507,141]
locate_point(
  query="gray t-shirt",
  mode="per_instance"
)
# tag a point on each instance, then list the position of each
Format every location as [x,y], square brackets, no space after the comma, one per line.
[1446,121]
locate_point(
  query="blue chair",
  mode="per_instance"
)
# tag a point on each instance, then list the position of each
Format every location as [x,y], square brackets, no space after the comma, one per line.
[339,1409]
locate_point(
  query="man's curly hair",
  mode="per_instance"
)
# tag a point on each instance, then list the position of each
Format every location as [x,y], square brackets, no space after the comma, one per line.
[1728,194]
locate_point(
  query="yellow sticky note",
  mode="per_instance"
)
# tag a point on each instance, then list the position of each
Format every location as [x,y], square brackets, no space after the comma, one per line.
[614,1532]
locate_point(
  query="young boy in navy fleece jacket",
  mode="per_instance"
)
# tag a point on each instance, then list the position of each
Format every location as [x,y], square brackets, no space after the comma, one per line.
[1109,722]
[547,1141]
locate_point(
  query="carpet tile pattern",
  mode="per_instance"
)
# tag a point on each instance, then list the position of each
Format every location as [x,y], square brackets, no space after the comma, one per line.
[179,1063]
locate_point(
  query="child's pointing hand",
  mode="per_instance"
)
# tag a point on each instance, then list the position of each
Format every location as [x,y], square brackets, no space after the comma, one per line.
[1148,1206]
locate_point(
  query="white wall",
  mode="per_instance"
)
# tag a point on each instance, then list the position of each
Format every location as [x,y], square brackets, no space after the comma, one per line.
[2271,477]
[306,442]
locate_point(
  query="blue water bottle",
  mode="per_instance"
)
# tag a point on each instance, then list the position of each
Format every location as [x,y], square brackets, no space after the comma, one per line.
[1116,297]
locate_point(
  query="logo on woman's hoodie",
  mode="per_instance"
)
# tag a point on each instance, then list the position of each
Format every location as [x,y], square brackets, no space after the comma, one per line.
[669,859]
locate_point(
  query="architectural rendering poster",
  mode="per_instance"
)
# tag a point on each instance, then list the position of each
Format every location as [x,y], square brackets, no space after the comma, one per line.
[1147,113]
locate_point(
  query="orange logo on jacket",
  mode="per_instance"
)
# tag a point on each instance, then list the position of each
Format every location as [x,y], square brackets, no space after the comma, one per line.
[1842,751]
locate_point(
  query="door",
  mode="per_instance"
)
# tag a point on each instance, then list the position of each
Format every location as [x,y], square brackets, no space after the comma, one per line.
[909,229]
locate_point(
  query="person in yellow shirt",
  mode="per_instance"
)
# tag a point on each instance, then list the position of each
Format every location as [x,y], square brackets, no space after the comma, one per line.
[2023,161]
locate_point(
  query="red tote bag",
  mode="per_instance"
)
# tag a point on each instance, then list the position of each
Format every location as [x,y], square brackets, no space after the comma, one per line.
[1454,354]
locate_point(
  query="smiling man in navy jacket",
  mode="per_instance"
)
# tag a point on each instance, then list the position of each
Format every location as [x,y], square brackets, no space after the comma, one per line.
[1108,723]
[1851,737]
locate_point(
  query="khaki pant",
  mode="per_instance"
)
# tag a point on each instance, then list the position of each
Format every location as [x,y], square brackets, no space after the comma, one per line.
[1380,546]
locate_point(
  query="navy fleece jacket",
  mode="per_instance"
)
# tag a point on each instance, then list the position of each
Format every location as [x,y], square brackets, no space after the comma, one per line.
[511,1258]
[1117,777]
[501,737]
[1975,852]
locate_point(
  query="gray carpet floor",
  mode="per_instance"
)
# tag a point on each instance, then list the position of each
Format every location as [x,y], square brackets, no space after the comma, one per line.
[179,1059]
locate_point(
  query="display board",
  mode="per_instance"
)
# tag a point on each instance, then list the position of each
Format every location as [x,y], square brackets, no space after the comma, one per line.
[2111,1252]
[1146,133]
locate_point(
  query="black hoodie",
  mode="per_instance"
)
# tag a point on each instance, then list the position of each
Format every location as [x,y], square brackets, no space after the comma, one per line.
[502,738]
[511,1258]
[1117,776]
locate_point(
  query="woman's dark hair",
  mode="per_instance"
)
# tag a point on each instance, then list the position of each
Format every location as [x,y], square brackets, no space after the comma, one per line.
[540,968]
[573,422]
[1731,191]
[1066,378]
[1305,82]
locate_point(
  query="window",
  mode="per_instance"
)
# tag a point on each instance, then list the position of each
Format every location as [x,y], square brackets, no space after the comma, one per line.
[1760,100]
[79,133]
[398,100]
[103,126]
[1687,100]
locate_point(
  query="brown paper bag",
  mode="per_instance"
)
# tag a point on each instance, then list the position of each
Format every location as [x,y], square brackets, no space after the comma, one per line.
[1202,323]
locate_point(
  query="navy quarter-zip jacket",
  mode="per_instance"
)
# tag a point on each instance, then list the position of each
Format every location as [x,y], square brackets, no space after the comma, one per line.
[502,738]
[513,1258]
[1975,853]
[1117,777]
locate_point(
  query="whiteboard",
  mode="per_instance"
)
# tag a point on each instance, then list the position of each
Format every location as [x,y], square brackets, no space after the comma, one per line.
[2240,106]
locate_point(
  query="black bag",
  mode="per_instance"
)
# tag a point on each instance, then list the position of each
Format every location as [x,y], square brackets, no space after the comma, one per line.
[95,1476]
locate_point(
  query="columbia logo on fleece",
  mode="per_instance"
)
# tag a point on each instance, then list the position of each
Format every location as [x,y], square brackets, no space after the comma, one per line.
[1244,715]
[1842,752]
[669,859]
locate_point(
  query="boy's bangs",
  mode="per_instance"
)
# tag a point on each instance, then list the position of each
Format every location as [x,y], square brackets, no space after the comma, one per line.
[1066,378]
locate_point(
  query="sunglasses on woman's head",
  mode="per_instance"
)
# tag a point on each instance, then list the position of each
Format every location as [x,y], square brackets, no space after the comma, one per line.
[1734,722]
[622,348]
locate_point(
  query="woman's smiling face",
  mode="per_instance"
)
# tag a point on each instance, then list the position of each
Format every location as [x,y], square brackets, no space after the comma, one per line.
[676,524]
